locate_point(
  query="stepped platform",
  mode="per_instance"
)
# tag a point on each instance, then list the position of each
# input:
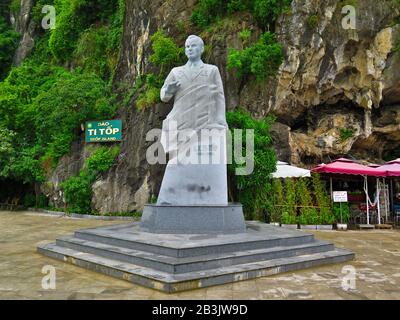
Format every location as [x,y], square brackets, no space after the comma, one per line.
[178,262]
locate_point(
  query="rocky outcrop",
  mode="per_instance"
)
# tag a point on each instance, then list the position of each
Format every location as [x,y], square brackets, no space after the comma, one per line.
[23,24]
[336,93]
[336,79]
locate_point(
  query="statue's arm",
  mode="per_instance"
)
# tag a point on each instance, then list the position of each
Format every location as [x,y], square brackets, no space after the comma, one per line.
[219,96]
[164,94]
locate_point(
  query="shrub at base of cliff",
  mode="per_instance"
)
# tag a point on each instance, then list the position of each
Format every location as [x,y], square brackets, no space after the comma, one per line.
[262,59]
[78,189]
[253,190]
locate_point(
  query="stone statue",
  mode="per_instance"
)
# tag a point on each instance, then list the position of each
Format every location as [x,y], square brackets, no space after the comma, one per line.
[199,107]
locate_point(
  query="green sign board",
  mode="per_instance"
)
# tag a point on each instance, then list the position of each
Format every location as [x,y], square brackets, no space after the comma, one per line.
[104,131]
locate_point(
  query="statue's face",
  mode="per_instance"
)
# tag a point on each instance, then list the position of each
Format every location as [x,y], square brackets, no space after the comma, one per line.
[193,49]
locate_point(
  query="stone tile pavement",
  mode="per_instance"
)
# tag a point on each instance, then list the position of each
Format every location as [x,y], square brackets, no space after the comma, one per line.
[377,267]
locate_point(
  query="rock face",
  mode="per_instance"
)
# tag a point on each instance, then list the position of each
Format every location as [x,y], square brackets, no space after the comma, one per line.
[336,93]
[23,24]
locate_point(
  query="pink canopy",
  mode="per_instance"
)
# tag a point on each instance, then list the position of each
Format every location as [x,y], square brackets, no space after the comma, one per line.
[392,168]
[347,166]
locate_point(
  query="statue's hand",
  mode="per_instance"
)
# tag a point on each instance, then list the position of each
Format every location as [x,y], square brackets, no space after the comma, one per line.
[173,87]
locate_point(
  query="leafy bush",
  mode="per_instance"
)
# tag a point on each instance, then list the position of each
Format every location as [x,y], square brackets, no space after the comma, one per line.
[277,201]
[313,21]
[91,51]
[208,11]
[8,44]
[15,6]
[74,16]
[323,201]
[78,189]
[78,192]
[341,212]
[61,110]
[289,216]
[308,215]
[253,190]
[346,134]
[165,51]
[45,105]
[29,200]
[102,159]
[166,54]
[267,11]
[262,59]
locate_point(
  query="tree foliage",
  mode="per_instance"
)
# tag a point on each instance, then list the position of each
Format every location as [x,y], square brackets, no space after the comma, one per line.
[261,59]
[78,189]
[252,190]
[264,11]
[8,44]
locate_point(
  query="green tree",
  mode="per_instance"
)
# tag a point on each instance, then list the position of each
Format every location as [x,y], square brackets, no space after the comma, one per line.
[267,11]
[8,44]
[252,190]
[262,59]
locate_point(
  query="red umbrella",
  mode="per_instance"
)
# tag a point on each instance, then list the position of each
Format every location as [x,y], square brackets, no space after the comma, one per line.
[392,168]
[347,166]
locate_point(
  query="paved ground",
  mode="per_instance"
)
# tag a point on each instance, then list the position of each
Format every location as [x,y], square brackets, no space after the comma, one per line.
[377,267]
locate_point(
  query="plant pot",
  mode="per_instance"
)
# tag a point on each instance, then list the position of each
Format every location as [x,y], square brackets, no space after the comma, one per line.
[324,227]
[341,226]
[275,224]
[289,226]
[308,226]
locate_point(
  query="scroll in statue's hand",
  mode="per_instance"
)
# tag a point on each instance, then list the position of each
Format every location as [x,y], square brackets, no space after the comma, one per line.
[173,87]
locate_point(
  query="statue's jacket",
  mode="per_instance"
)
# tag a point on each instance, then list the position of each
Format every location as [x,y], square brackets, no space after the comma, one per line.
[199,102]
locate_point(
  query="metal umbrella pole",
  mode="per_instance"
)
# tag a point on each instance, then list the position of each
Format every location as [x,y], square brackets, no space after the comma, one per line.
[377,202]
[366,196]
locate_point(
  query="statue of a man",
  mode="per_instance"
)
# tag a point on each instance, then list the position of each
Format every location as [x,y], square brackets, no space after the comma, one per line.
[199,106]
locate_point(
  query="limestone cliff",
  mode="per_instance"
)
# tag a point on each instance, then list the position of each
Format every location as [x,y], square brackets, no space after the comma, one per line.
[336,93]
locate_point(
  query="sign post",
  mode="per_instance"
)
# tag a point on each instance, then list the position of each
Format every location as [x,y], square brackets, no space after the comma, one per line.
[340,196]
[103,131]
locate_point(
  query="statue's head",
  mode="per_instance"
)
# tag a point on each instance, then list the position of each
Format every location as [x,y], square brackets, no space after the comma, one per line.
[194,47]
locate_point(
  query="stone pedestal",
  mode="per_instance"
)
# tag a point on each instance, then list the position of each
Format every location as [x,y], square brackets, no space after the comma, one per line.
[193,219]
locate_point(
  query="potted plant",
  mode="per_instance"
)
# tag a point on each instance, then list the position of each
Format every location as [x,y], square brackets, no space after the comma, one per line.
[342,215]
[308,217]
[323,201]
[276,202]
[289,213]
[326,219]
[289,220]
[307,221]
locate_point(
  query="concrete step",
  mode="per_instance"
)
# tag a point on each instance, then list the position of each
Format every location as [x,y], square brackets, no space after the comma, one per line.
[129,236]
[168,282]
[190,264]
